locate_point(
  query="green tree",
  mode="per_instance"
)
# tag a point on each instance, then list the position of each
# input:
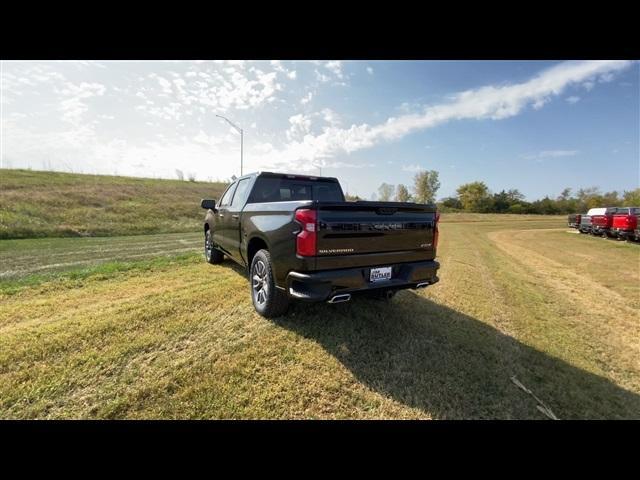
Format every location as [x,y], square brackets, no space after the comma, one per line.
[565,194]
[517,208]
[385,191]
[546,206]
[402,194]
[588,198]
[611,199]
[451,202]
[632,198]
[475,197]
[426,185]
[514,195]
[501,202]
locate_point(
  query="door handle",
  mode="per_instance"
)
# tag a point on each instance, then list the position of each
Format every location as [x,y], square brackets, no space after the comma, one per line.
[235,216]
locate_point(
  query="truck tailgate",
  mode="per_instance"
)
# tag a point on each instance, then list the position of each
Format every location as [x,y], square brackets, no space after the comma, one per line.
[354,234]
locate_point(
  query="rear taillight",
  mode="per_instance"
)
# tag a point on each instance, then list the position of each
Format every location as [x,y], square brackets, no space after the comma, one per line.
[306,239]
[435,231]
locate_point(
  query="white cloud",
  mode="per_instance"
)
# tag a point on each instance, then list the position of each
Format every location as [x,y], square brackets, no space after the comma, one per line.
[573,99]
[606,77]
[331,70]
[335,67]
[412,168]
[300,126]
[205,139]
[489,102]
[321,77]
[330,117]
[307,98]
[218,85]
[370,70]
[199,90]
[74,105]
[279,67]
[551,154]
[164,83]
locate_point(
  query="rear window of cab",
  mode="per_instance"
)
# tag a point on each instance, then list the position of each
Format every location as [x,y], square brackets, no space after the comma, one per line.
[273,189]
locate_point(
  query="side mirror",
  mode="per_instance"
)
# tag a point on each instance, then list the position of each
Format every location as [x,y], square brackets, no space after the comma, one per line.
[208,204]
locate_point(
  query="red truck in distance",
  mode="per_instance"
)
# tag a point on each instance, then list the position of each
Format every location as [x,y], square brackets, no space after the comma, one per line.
[624,224]
[602,220]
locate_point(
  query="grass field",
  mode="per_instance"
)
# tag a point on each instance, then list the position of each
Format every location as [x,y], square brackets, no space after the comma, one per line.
[46,204]
[30,261]
[165,335]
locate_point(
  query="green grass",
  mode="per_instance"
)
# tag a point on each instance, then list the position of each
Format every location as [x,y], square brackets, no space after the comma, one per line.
[174,337]
[52,204]
[32,261]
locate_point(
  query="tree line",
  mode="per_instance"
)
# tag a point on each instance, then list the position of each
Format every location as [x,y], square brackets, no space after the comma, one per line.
[477,197]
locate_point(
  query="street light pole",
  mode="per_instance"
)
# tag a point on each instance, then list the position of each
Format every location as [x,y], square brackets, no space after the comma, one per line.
[241,138]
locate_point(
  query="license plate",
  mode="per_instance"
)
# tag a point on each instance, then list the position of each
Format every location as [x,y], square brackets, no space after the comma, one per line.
[378,274]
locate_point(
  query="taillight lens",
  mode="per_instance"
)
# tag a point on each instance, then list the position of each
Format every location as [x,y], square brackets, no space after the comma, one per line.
[435,231]
[306,239]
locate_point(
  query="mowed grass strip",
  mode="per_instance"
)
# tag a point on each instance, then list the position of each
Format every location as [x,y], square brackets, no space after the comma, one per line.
[46,257]
[181,340]
[54,204]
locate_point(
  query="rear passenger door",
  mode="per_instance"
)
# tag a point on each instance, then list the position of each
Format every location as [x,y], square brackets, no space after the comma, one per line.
[223,217]
[233,231]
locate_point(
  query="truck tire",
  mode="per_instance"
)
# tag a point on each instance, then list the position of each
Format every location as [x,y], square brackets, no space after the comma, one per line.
[268,300]
[211,254]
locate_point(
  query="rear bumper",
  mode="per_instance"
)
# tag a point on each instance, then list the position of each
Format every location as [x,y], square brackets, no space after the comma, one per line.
[321,286]
[623,233]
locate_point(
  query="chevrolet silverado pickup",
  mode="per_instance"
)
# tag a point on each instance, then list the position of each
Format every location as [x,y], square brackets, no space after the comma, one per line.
[601,220]
[299,239]
[573,220]
[625,223]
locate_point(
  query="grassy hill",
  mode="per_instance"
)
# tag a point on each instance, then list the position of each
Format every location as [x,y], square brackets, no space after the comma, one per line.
[54,204]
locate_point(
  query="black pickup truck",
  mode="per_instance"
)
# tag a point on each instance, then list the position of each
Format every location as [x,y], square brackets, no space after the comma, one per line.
[301,240]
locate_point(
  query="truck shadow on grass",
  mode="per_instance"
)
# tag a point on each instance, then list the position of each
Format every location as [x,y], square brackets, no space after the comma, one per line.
[453,366]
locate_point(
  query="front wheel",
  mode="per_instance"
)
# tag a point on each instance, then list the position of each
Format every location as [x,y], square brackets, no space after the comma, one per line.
[268,300]
[211,254]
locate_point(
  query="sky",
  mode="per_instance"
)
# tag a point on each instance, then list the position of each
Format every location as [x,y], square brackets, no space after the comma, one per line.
[538,126]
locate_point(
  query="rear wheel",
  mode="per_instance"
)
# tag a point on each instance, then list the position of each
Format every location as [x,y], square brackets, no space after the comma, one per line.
[268,300]
[211,254]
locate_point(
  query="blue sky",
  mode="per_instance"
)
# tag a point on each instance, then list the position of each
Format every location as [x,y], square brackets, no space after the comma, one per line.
[532,125]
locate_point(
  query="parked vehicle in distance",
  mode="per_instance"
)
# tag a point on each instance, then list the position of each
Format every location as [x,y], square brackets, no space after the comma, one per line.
[300,239]
[585,224]
[601,220]
[625,223]
[573,220]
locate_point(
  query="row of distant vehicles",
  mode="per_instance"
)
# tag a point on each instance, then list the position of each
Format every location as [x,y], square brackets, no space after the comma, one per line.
[614,222]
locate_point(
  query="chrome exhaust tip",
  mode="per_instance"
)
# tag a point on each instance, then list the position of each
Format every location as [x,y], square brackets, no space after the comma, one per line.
[343,297]
[423,285]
